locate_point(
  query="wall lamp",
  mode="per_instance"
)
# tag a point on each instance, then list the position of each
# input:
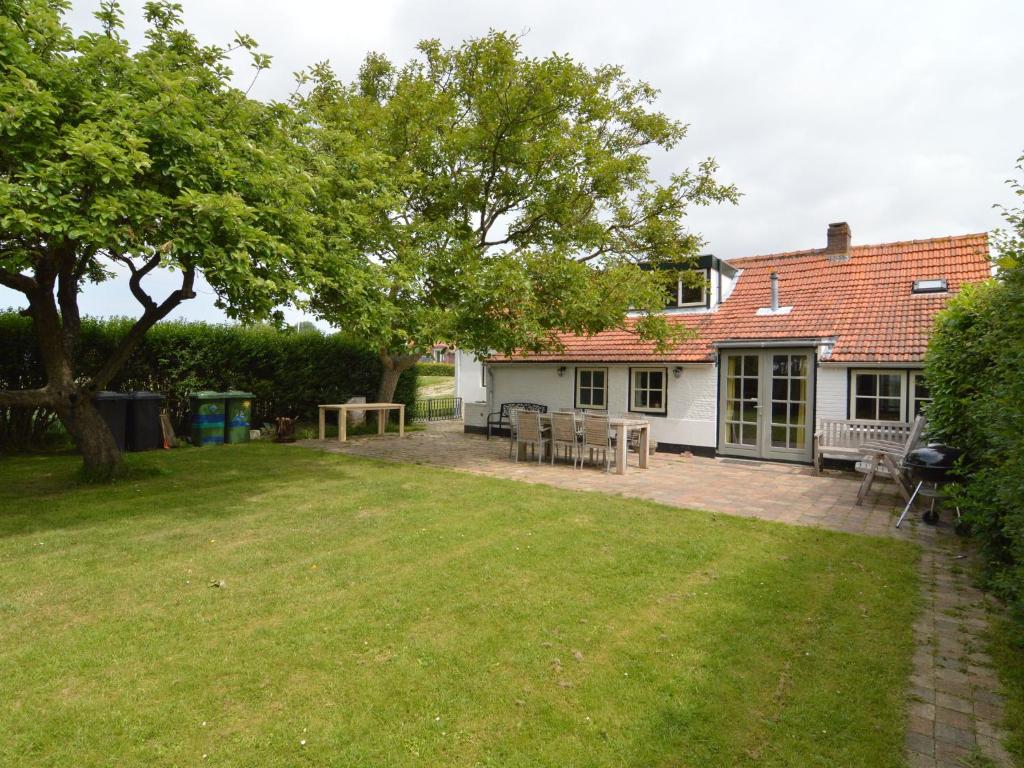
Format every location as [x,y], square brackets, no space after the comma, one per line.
[677,371]
[561,370]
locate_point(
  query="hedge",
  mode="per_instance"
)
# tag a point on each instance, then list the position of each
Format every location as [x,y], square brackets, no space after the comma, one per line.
[289,372]
[435,369]
[975,371]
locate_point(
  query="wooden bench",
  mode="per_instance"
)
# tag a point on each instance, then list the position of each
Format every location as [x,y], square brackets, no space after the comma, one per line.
[843,438]
[502,418]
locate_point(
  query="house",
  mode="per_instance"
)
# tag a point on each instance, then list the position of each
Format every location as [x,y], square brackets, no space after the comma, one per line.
[439,353]
[779,343]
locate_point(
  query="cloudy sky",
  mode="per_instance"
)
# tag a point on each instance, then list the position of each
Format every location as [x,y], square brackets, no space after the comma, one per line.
[902,118]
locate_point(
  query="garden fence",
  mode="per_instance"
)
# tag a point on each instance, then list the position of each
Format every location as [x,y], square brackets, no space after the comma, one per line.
[438,409]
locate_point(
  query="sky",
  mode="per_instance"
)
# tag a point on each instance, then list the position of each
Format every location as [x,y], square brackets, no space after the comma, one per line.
[902,118]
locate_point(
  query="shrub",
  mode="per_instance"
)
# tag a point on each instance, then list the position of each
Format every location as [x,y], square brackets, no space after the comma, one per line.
[975,371]
[289,372]
[435,369]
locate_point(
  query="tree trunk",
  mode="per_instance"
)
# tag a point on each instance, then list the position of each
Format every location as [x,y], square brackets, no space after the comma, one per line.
[392,368]
[57,330]
[92,437]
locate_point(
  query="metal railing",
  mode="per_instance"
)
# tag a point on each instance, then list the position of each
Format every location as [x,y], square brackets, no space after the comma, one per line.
[438,409]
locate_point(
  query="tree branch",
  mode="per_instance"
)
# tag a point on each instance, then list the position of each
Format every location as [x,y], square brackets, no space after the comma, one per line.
[150,317]
[135,282]
[67,298]
[25,398]
[18,282]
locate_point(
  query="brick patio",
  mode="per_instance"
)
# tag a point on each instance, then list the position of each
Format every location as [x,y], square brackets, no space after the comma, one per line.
[954,707]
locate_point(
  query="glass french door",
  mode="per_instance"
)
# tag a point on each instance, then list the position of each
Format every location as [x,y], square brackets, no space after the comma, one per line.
[766,403]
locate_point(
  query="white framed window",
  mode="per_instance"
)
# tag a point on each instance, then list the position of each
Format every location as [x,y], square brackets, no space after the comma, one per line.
[592,388]
[483,375]
[920,397]
[682,294]
[877,395]
[647,389]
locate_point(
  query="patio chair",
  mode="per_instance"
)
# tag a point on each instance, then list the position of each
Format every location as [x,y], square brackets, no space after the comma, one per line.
[529,432]
[564,434]
[884,458]
[596,437]
[512,431]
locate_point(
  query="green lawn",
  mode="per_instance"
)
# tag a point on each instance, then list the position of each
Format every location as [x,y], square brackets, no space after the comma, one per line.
[1006,636]
[405,616]
[434,386]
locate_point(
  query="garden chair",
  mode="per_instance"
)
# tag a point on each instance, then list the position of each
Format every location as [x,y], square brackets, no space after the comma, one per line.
[596,437]
[529,432]
[884,458]
[512,431]
[565,435]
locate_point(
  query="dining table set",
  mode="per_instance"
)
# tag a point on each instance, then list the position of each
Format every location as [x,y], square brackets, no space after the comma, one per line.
[578,435]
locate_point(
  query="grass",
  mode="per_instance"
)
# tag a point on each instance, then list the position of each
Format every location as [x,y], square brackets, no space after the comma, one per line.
[434,386]
[1007,647]
[393,615]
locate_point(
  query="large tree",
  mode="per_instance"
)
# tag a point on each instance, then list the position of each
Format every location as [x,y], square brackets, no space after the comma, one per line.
[136,160]
[510,198]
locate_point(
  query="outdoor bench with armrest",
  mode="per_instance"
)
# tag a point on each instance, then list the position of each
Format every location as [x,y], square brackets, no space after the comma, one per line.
[501,419]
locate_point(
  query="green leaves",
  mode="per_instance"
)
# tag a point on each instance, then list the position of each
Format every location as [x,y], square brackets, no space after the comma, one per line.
[511,196]
[975,372]
[109,153]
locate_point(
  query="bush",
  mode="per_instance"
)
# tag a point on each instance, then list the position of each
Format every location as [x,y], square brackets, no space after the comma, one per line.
[975,371]
[289,372]
[435,369]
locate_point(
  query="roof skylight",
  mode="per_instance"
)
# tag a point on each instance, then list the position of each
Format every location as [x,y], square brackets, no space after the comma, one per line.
[931,285]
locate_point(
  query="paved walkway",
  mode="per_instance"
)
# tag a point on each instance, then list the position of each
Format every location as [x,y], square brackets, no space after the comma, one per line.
[954,708]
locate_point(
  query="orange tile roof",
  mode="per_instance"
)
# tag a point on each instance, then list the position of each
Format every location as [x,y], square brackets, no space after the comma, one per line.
[864,303]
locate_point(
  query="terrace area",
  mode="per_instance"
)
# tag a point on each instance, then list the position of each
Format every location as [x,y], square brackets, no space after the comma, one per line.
[786,493]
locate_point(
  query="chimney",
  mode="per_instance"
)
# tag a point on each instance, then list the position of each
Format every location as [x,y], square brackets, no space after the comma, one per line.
[838,248]
[775,292]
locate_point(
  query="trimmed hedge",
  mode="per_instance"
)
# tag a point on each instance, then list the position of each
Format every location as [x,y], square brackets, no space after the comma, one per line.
[975,371]
[435,369]
[289,372]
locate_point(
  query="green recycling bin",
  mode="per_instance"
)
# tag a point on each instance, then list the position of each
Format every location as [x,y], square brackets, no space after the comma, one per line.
[237,416]
[207,417]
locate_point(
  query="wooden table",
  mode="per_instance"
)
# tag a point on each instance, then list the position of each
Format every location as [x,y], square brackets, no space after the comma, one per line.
[344,408]
[621,426]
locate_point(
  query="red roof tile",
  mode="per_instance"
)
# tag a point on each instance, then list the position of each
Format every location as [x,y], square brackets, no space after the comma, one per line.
[864,303]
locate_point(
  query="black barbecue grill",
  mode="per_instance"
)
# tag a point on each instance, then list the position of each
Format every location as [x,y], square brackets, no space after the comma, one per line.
[930,468]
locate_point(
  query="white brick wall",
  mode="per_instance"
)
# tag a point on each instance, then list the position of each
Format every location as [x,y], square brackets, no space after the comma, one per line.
[690,419]
[467,378]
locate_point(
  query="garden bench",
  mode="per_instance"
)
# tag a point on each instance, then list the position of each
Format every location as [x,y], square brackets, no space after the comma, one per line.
[844,438]
[502,417]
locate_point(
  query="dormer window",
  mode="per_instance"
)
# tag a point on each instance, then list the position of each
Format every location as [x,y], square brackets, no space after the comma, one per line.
[930,285]
[683,294]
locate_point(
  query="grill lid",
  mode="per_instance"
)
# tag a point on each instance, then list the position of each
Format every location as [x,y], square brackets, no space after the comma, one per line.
[934,456]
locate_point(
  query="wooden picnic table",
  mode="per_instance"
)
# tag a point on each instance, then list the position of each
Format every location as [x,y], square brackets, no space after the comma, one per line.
[344,408]
[621,425]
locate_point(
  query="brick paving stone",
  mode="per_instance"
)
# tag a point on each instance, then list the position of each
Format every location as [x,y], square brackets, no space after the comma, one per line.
[921,694]
[921,725]
[918,742]
[954,718]
[917,760]
[923,709]
[950,734]
[953,704]
[952,755]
